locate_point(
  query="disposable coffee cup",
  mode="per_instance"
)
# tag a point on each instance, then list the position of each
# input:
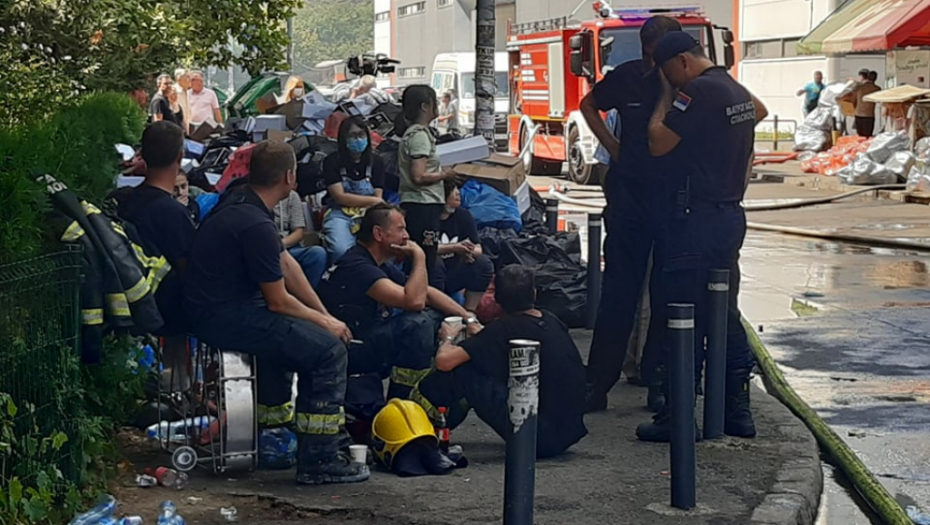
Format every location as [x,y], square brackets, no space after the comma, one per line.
[454,321]
[359,453]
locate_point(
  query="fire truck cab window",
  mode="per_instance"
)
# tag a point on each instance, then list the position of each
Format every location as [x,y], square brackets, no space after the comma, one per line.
[626,46]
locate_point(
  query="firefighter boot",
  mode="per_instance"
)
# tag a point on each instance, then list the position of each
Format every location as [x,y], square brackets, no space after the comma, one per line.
[655,399]
[318,462]
[738,416]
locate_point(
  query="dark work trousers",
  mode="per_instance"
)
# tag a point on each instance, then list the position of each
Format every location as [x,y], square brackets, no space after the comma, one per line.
[471,277]
[708,237]
[465,388]
[635,223]
[401,348]
[285,345]
[865,126]
[423,225]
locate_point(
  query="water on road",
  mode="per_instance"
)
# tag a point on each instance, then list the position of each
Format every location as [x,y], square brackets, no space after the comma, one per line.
[849,327]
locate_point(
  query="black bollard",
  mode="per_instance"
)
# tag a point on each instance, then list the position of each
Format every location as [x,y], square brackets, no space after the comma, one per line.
[594,268]
[718,292]
[522,405]
[681,372]
[552,215]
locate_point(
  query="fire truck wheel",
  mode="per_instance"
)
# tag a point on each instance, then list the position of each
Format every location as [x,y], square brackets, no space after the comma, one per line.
[578,171]
[534,166]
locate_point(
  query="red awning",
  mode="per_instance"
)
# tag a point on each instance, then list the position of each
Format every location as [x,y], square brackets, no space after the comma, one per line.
[883,25]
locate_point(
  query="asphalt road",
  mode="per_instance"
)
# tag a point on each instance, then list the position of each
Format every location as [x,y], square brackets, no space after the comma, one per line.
[848,326]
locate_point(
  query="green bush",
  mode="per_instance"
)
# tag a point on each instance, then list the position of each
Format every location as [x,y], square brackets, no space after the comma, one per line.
[76,145]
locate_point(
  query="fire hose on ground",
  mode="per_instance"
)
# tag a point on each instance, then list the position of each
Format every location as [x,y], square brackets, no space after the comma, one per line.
[871,490]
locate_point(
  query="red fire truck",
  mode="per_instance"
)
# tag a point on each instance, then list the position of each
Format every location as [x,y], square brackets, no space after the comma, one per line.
[555,63]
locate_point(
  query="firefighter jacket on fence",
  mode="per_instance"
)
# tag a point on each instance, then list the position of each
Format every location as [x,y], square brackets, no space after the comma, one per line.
[120,280]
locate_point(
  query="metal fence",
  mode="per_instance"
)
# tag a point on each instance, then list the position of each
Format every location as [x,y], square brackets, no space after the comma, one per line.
[39,352]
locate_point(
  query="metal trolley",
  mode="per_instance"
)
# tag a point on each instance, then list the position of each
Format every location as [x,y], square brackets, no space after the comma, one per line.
[222,393]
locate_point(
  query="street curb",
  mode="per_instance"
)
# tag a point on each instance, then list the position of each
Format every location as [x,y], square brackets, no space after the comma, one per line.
[795,497]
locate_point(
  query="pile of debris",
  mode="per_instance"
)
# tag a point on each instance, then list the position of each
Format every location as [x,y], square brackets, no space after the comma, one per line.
[886,159]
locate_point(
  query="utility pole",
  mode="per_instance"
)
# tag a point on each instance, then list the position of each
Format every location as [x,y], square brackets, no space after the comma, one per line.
[484,71]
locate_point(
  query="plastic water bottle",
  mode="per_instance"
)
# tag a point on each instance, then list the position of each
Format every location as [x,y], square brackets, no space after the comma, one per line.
[97,514]
[168,514]
[178,431]
[130,520]
[277,448]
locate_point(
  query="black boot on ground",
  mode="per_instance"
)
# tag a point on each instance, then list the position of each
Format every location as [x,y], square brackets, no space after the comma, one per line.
[660,430]
[318,463]
[737,415]
[655,399]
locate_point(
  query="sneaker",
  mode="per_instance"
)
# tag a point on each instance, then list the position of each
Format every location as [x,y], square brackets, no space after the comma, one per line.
[338,470]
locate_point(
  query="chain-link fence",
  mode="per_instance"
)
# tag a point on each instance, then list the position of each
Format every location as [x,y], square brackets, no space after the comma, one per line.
[39,354]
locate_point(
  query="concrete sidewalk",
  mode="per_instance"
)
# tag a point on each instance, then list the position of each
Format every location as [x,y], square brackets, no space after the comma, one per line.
[608,478]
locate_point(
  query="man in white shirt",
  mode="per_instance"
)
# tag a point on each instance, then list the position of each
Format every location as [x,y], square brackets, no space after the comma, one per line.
[182,86]
[203,101]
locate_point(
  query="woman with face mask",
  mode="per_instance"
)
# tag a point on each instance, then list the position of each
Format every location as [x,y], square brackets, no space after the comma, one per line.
[422,195]
[354,182]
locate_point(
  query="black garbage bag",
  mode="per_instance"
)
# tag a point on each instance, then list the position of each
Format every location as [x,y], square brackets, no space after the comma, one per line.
[492,242]
[537,251]
[563,291]
[534,218]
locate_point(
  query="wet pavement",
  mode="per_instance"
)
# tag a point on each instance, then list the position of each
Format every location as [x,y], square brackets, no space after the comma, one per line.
[848,326]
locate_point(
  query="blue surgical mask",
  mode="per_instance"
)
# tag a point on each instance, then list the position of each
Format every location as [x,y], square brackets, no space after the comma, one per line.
[358,145]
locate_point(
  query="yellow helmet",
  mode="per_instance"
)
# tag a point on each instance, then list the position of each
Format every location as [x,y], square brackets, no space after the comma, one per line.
[397,424]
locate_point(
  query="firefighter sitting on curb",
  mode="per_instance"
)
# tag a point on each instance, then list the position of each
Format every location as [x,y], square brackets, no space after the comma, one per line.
[474,373]
[365,290]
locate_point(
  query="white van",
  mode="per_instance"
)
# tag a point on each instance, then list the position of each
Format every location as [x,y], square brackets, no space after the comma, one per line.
[457,71]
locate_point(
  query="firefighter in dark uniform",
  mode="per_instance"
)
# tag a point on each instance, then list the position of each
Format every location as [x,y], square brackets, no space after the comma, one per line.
[634,218]
[245,292]
[708,126]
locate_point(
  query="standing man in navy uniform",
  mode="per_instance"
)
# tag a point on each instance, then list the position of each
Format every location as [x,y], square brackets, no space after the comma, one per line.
[709,125]
[634,217]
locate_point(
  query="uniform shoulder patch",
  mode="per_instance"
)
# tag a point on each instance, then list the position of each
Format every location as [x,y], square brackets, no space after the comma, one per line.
[681,102]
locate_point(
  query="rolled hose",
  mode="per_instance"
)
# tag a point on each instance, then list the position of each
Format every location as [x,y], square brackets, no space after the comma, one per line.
[874,494]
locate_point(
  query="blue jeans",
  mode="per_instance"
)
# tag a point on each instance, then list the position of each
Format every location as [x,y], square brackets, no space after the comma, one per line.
[313,261]
[337,233]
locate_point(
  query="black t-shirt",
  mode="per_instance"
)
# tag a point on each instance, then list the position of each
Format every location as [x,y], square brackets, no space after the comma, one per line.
[633,91]
[333,170]
[163,223]
[344,288]
[715,117]
[161,106]
[561,373]
[458,227]
[237,248]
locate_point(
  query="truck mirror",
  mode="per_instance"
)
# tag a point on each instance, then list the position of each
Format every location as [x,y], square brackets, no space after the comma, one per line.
[729,58]
[727,36]
[576,43]
[576,63]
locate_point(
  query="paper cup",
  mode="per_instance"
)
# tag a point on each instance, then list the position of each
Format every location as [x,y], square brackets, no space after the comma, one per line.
[359,453]
[454,321]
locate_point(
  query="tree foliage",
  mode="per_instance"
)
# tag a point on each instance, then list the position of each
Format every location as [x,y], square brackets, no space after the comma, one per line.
[55,49]
[332,30]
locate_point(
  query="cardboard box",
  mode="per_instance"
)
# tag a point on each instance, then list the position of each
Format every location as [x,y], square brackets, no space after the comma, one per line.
[501,172]
[279,136]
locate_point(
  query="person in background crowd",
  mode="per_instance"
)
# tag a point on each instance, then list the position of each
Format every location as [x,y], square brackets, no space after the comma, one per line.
[204,104]
[422,195]
[176,107]
[294,88]
[183,196]
[474,373]
[292,223]
[811,93]
[363,289]
[635,219]
[707,120]
[367,91]
[354,182]
[141,97]
[449,112]
[160,108]
[865,111]
[183,86]
[246,293]
[466,268]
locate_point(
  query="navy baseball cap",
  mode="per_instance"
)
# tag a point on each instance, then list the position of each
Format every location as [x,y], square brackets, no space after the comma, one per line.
[672,45]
